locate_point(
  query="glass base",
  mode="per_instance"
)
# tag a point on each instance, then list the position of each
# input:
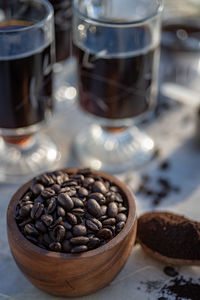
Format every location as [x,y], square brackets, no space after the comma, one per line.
[21,162]
[65,93]
[113,152]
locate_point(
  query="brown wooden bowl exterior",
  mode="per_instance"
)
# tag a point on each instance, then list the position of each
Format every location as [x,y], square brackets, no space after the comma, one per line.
[72,275]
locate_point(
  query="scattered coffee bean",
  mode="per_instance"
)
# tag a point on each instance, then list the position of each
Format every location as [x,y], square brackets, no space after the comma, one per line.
[170,271]
[71,213]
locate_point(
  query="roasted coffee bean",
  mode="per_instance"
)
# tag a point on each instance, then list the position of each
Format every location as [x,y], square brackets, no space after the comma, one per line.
[47,239]
[59,180]
[56,222]
[56,188]
[72,192]
[67,225]
[100,198]
[77,177]
[47,193]
[64,190]
[52,205]
[110,197]
[105,233]
[40,226]
[99,187]
[122,209]
[65,201]
[45,179]
[87,182]
[30,229]
[37,189]
[114,188]
[78,211]
[77,202]
[78,249]
[103,210]
[47,219]
[93,243]
[121,217]
[24,203]
[79,230]
[120,226]
[79,240]
[94,208]
[32,239]
[39,199]
[112,228]
[68,235]
[71,218]
[170,271]
[25,210]
[112,209]
[102,218]
[70,183]
[27,221]
[82,192]
[60,211]
[37,210]
[59,232]
[55,246]
[109,222]
[91,225]
[27,197]
[66,245]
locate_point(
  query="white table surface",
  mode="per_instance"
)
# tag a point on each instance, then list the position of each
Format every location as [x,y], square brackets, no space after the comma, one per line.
[174,136]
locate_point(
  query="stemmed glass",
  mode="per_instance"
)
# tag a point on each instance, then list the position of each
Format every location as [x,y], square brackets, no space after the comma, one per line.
[117,46]
[26,57]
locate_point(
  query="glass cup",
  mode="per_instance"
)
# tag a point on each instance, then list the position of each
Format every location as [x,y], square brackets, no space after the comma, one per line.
[180,50]
[26,58]
[117,47]
[64,74]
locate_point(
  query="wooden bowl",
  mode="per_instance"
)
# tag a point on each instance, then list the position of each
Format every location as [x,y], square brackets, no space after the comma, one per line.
[72,275]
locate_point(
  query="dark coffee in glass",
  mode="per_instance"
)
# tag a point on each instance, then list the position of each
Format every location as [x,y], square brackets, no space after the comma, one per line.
[117,86]
[26,84]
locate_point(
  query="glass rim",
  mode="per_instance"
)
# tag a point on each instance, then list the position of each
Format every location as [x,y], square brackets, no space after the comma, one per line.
[39,24]
[157,11]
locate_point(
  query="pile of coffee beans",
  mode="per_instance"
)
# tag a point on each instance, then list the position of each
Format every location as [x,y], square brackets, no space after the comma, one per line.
[71,212]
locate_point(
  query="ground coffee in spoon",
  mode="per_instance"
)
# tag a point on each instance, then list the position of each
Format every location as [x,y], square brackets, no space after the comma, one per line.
[171,235]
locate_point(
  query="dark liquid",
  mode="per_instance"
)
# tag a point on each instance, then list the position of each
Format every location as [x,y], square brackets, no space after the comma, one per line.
[25,87]
[116,88]
[63,24]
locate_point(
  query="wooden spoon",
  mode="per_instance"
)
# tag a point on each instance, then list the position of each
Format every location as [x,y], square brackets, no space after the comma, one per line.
[155,253]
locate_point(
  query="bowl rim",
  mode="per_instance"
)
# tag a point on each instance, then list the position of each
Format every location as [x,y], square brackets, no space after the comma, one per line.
[29,246]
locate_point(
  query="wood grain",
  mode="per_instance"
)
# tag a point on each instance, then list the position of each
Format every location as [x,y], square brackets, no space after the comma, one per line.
[72,275]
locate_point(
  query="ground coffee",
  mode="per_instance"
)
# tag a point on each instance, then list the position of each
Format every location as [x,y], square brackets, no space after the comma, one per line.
[171,235]
[71,212]
[181,288]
